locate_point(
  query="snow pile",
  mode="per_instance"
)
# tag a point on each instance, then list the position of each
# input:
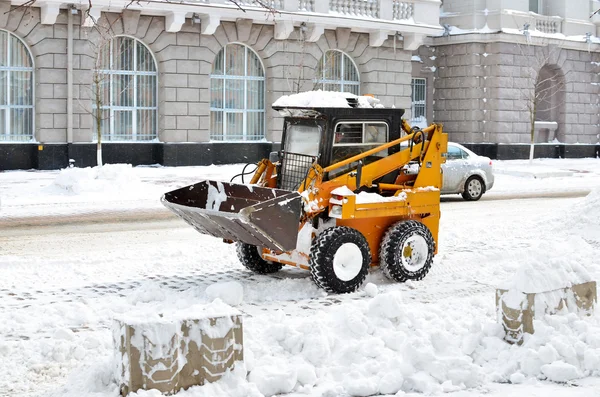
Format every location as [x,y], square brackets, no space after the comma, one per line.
[325,99]
[363,348]
[232,293]
[584,219]
[110,177]
[551,265]
[366,197]
[563,348]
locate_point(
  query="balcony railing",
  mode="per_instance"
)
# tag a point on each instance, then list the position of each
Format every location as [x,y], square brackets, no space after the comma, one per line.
[548,24]
[306,5]
[358,8]
[403,10]
[424,11]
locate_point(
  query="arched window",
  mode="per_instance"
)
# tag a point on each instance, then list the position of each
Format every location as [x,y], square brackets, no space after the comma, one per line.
[16,90]
[237,95]
[337,72]
[126,81]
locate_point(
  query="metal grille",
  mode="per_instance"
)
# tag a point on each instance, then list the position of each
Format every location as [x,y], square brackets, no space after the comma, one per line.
[127,80]
[337,72]
[237,95]
[418,99]
[16,90]
[294,168]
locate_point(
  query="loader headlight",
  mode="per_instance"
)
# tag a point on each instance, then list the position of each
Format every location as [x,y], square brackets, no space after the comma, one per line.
[336,211]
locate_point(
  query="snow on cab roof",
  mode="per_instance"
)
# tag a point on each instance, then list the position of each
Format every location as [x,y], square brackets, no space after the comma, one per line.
[326,99]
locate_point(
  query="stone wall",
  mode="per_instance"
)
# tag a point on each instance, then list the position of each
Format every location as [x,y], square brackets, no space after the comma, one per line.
[483,91]
[184,61]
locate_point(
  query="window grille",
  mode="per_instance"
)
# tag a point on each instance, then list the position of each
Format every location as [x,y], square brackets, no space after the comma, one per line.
[418,104]
[16,90]
[127,80]
[337,72]
[237,95]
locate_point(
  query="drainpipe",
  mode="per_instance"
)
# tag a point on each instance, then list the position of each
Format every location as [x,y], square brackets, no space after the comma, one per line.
[69,83]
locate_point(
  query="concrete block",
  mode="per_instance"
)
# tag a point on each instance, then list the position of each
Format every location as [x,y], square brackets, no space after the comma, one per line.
[45,91]
[52,106]
[173,135]
[174,80]
[173,52]
[169,122]
[60,91]
[188,67]
[169,66]
[516,310]
[172,354]
[188,122]
[201,54]
[199,109]
[164,40]
[60,61]
[60,121]
[188,39]
[175,108]
[44,61]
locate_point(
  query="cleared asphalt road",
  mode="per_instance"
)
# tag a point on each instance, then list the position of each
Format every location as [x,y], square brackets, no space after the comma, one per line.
[160,213]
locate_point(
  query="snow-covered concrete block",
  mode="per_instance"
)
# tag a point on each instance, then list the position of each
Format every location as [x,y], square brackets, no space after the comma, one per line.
[171,354]
[516,310]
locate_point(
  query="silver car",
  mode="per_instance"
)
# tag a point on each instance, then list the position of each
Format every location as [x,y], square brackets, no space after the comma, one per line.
[466,173]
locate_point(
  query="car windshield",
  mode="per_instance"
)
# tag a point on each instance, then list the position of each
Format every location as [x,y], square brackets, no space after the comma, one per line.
[303,139]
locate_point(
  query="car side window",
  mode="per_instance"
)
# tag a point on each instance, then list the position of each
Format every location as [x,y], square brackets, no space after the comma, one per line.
[454,153]
[464,154]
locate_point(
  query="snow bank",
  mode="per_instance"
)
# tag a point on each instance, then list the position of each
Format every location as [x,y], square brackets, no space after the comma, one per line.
[325,99]
[550,265]
[232,293]
[584,219]
[110,177]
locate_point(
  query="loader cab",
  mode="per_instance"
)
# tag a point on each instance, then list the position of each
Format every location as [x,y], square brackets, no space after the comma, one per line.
[330,135]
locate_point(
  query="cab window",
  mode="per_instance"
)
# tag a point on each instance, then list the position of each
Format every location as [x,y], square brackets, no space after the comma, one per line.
[352,138]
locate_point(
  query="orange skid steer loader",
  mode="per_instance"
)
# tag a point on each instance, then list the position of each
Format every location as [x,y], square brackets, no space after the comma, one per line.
[350,188]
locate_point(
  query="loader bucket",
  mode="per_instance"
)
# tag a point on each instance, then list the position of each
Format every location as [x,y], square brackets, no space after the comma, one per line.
[255,215]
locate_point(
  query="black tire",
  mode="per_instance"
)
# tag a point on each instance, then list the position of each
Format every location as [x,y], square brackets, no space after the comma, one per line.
[249,257]
[474,188]
[393,255]
[323,252]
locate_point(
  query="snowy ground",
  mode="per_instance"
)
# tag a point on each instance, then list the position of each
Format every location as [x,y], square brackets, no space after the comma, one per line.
[70,263]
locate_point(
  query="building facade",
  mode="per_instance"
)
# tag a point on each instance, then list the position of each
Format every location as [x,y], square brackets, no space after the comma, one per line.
[190,83]
[503,68]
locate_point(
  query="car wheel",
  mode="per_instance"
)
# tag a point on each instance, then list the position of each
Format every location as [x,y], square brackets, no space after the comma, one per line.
[474,189]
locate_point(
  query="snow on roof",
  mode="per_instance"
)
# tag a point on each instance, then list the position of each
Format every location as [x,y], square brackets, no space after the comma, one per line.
[454,31]
[325,99]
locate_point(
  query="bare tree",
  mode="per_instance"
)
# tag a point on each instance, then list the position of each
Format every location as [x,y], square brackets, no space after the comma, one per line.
[100,36]
[544,85]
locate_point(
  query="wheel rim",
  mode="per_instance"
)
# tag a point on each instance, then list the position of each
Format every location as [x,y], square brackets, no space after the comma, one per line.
[414,253]
[347,261]
[474,187]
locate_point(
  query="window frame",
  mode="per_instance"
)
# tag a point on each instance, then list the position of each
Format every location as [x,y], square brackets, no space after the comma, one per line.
[416,82]
[224,78]
[321,81]
[133,109]
[463,155]
[8,108]
[363,143]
